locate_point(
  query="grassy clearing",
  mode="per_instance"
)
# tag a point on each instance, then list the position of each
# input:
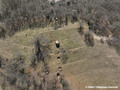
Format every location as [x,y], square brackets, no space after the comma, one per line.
[89,65]
[22,42]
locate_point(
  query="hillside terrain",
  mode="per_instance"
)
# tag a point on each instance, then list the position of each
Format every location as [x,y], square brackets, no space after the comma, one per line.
[84,66]
[87,31]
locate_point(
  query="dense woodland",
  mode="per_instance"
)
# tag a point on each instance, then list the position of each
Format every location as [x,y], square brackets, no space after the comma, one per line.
[102,16]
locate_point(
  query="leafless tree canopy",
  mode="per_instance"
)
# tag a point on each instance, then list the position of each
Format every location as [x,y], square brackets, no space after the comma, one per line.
[20,14]
[102,17]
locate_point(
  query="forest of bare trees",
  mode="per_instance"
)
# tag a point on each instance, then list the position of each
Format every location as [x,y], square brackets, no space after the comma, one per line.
[103,17]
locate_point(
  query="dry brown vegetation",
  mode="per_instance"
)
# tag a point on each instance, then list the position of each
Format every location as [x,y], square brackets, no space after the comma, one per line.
[29,59]
[103,17]
[100,59]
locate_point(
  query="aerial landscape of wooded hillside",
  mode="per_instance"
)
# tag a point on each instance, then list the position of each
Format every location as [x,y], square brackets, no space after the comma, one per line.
[88,34]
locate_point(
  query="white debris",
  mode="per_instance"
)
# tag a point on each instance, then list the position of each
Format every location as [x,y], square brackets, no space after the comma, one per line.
[56,42]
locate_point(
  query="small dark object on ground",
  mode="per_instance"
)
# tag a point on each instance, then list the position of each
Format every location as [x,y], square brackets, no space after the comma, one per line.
[58,57]
[57,45]
[58,74]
